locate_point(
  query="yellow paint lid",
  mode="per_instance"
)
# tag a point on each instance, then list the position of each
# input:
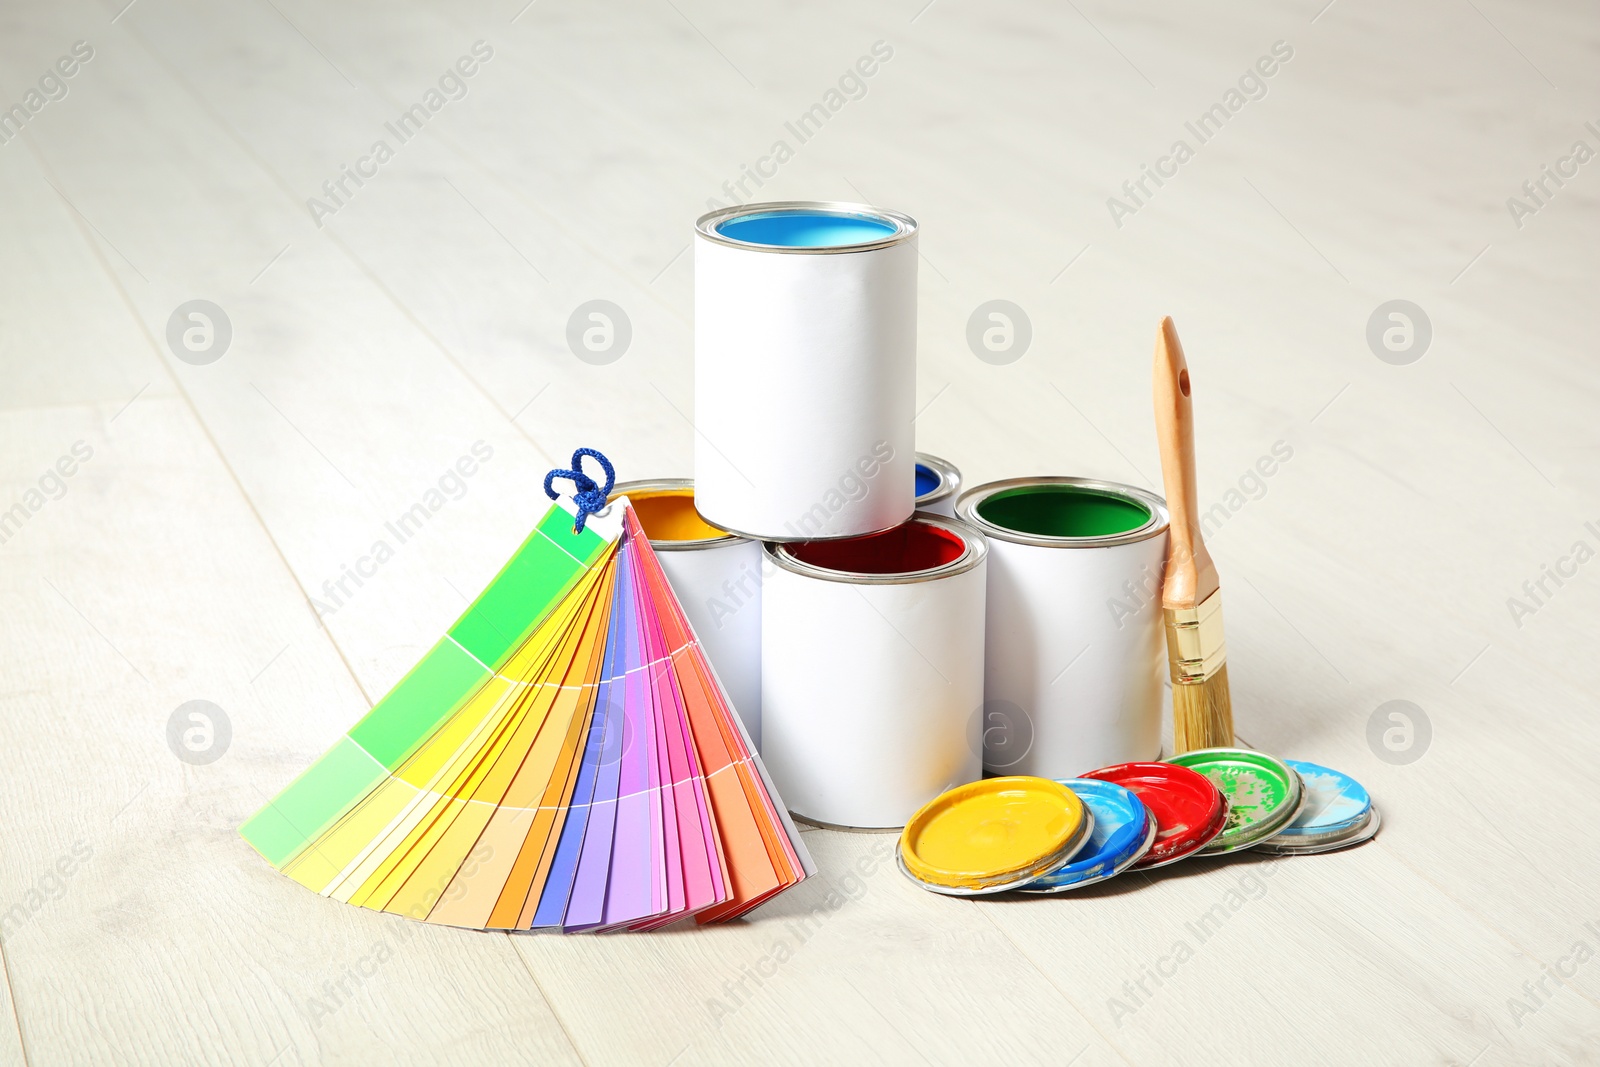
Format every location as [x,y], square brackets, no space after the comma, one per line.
[993,833]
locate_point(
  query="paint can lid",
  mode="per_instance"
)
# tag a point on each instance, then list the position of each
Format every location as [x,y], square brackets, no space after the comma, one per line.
[1284,846]
[1188,810]
[1123,832]
[992,835]
[1264,794]
[1335,803]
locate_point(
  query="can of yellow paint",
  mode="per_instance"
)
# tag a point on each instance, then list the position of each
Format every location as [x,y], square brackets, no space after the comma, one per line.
[717,578]
[1075,645]
[872,670]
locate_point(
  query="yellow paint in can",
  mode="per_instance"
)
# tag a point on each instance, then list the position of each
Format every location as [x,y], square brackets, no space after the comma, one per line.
[669,515]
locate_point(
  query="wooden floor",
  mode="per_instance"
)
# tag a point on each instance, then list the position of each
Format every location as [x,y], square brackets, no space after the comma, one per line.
[376,339]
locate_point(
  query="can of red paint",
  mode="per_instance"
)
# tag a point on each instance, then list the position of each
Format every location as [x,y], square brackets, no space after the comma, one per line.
[805,369]
[717,578]
[1075,646]
[872,670]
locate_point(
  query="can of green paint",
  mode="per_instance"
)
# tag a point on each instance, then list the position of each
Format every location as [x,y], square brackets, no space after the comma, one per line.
[1074,642]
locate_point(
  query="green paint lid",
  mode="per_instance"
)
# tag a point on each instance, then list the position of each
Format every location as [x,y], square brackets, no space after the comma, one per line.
[1264,794]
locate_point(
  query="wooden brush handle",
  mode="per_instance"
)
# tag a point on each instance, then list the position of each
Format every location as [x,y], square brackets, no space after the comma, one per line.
[1190,575]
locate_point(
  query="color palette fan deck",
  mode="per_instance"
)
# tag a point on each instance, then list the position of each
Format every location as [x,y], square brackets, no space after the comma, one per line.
[564,758]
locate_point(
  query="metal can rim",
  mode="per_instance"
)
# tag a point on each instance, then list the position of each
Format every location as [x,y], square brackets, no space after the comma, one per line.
[1277,846]
[905,226]
[646,485]
[949,478]
[977,549]
[769,539]
[1160,519]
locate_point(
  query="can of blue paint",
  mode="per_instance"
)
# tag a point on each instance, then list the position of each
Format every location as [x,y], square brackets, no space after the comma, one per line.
[1075,648]
[716,576]
[872,670]
[805,369]
[938,482]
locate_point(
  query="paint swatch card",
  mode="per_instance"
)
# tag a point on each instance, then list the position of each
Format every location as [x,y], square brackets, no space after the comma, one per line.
[563,759]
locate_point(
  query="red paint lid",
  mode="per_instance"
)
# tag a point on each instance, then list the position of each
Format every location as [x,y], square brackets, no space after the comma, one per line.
[1189,810]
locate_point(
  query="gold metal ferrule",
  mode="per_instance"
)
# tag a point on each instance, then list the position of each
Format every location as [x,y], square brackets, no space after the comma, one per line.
[1195,645]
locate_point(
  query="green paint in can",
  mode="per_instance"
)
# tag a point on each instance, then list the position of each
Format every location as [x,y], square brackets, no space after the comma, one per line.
[1057,509]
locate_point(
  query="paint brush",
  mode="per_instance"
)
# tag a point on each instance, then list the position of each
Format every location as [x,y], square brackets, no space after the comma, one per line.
[1202,711]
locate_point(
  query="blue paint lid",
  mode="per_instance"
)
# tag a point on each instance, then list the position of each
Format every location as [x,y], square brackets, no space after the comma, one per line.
[1335,802]
[1123,831]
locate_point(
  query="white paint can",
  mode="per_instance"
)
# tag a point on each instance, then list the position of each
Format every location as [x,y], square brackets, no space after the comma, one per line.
[872,670]
[805,369]
[1076,650]
[938,483]
[717,578]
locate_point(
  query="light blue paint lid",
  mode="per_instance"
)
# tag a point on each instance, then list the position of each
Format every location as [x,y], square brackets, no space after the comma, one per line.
[805,229]
[1334,802]
[1123,831]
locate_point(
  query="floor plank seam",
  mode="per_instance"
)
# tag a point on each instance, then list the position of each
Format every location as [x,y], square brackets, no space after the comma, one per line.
[1112,1045]
[11,993]
[566,1031]
[277,181]
[200,422]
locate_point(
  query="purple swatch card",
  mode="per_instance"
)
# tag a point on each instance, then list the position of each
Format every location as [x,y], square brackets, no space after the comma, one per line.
[586,908]
[636,889]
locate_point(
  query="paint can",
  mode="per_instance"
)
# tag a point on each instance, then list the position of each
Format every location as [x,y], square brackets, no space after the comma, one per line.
[717,578]
[1075,645]
[805,369]
[872,670]
[938,482]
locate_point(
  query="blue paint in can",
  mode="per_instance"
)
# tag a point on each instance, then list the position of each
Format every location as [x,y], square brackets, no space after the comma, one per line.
[806,229]
[927,480]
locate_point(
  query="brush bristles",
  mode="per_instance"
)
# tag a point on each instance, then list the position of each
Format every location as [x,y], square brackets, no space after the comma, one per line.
[1202,713]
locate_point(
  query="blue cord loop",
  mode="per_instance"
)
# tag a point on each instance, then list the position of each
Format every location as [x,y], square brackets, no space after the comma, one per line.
[589,496]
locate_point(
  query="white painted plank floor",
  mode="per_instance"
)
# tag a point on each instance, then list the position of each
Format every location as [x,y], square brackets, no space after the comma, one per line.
[1428,540]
